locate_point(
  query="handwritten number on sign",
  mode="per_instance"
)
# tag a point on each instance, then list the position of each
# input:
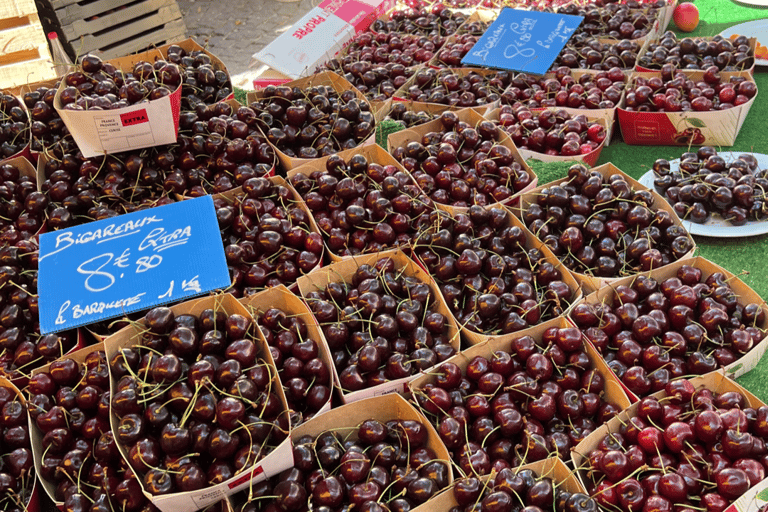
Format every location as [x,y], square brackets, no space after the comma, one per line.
[148,262]
[97,275]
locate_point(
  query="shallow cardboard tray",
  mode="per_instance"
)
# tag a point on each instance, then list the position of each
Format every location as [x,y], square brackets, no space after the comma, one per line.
[552,467]
[33,504]
[36,436]
[142,125]
[278,460]
[328,78]
[714,381]
[746,295]
[342,271]
[752,48]
[475,338]
[468,115]
[592,283]
[345,420]
[282,298]
[402,93]
[717,127]
[589,159]
[372,152]
[608,114]
[614,392]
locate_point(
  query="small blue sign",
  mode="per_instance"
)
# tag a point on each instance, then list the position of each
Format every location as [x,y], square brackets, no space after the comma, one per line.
[107,268]
[526,41]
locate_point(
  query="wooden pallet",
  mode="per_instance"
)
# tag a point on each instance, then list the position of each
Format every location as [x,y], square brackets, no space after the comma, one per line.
[24,53]
[112,36]
[74,15]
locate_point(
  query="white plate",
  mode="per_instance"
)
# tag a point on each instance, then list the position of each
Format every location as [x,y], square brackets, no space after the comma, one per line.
[757,29]
[716,226]
[758,3]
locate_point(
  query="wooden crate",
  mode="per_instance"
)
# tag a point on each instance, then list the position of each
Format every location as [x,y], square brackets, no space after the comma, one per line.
[114,28]
[24,53]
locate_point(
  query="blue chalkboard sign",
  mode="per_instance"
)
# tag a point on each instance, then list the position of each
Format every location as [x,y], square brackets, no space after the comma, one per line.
[527,41]
[132,262]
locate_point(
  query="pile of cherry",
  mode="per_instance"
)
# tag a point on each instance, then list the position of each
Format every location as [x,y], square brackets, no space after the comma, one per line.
[693,449]
[678,91]
[449,87]
[313,122]
[527,400]
[704,183]
[69,403]
[361,206]
[699,53]
[600,226]
[14,125]
[653,332]
[99,85]
[377,466]
[626,20]
[511,489]
[196,400]
[304,373]
[17,472]
[462,165]
[552,132]
[22,347]
[492,280]
[268,237]
[381,325]
[600,90]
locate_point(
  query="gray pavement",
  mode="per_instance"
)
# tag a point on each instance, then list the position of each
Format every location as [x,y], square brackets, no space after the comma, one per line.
[234,30]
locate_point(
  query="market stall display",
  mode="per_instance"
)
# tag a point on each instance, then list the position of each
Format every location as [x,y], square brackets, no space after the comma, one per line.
[516,316]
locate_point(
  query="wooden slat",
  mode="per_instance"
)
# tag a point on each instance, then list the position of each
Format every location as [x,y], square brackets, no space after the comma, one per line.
[17,8]
[172,31]
[72,14]
[22,37]
[20,73]
[163,14]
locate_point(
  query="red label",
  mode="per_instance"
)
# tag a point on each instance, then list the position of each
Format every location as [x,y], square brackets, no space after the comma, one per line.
[248,476]
[135,117]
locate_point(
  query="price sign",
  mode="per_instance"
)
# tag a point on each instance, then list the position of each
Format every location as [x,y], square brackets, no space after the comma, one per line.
[132,262]
[526,41]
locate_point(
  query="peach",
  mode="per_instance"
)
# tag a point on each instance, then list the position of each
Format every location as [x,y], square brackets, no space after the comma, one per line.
[686,17]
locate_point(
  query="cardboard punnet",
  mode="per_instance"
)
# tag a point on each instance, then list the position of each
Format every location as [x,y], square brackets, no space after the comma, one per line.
[746,296]
[608,114]
[278,460]
[372,152]
[342,271]
[346,419]
[614,392]
[33,504]
[281,297]
[713,381]
[143,125]
[750,70]
[320,35]
[590,282]
[468,115]
[713,128]
[36,436]
[475,338]
[487,74]
[237,195]
[589,159]
[552,468]
[327,78]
